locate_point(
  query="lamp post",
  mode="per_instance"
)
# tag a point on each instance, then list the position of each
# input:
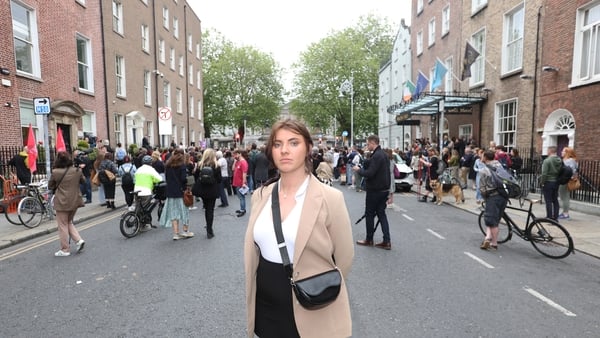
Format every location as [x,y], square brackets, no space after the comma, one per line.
[347,87]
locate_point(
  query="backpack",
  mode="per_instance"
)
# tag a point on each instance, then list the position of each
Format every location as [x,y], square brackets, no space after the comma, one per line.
[506,184]
[565,173]
[207,176]
[127,178]
[441,166]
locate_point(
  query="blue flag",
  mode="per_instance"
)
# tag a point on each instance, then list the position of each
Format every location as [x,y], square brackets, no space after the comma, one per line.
[438,74]
[422,83]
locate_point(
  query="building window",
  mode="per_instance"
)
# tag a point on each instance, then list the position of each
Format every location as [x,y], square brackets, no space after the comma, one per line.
[586,53]
[172,58]
[149,131]
[431,31]
[420,43]
[191,74]
[145,2]
[145,38]
[198,50]
[179,101]
[419,6]
[175,28]
[117,13]
[120,75]
[465,132]
[166,18]
[198,79]
[478,67]
[446,20]
[167,94]
[27,54]
[118,122]
[512,56]
[506,123]
[181,65]
[189,43]
[192,106]
[84,64]
[199,109]
[477,5]
[448,77]
[147,87]
[161,51]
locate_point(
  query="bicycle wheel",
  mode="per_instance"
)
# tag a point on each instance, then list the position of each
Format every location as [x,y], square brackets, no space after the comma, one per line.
[130,224]
[12,217]
[504,230]
[30,211]
[550,238]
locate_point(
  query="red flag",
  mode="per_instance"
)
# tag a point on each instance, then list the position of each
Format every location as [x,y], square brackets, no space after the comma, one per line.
[60,141]
[31,151]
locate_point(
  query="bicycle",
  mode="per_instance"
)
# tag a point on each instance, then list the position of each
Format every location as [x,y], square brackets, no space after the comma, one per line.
[132,221]
[547,236]
[37,205]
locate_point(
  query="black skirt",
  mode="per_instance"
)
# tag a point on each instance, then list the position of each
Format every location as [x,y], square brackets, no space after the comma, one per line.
[274,310]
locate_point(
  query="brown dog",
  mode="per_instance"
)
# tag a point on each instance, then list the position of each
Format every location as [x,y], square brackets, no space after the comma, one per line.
[440,189]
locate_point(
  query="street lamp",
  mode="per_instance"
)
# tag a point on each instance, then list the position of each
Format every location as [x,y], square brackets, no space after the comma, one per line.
[347,87]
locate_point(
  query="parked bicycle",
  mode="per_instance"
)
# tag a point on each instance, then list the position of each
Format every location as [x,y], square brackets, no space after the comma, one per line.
[133,221]
[547,236]
[37,205]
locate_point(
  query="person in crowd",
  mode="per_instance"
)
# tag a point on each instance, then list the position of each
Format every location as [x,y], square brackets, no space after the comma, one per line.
[82,161]
[107,147]
[454,163]
[99,158]
[466,163]
[325,169]
[318,235]
[230,160]
[240,175]
[19,161]
[157,163]
[109,185]
[261,168]
[502,157]
[494,202]
[477,167]
[191,173]
[430,163]
[251,165]
[472,176]
[120,154]
[516,160]
[222,166]
[209,192]
[146,177]
[550,168]
[349,173]
[569,159]
[391,157]
[376,171]
[126,170]
[175,213]
[65,181]
[137,161]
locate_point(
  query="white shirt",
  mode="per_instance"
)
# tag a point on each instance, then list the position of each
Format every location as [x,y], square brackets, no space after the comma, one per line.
[264,232]
[222,163]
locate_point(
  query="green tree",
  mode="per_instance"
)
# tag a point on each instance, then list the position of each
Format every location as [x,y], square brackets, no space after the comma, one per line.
[239,83]
[356,52]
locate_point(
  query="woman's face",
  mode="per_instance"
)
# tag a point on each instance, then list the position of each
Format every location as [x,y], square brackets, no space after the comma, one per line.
[289,151]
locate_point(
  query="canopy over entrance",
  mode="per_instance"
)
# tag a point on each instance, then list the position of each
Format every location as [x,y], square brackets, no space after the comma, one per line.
[428,103]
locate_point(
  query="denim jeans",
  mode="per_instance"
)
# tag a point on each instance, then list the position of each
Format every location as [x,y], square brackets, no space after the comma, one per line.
[222,193]
[375,204]
[550,190]
[86,189]
[349,173]
[242,199]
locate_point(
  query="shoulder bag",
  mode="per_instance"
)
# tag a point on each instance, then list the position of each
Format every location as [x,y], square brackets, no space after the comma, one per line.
[316,291]
[188,197]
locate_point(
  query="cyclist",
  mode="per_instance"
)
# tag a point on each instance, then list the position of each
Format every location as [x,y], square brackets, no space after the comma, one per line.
[145,179]
[494,202]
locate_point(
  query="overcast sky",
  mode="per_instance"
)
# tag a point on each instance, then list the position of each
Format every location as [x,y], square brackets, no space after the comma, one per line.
[286,28]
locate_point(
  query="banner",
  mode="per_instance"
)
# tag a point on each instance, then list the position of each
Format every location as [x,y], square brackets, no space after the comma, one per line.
[60,141]
[439,72]
[422,83]
[471,54]
[31,151]
[409,88]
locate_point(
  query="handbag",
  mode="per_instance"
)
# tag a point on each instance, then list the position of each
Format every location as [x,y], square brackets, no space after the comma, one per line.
[313,292]
[110,175]
[188,197]
[96,179]
[573,184]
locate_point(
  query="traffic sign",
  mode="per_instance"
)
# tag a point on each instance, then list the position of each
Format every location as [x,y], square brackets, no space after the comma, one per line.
[41,105]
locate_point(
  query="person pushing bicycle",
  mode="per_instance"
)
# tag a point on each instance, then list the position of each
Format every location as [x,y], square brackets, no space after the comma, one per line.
[494,202]
[145,179]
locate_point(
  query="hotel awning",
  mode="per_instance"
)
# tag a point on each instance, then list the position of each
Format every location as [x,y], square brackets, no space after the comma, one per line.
[427,104]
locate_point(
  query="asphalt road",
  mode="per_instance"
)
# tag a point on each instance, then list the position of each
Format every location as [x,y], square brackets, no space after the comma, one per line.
[435,282]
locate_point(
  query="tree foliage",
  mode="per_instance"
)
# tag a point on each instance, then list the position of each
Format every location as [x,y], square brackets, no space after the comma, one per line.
[356,52]
[240,83]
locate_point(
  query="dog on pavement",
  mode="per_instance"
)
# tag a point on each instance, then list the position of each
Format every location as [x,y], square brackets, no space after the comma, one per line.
[440,189]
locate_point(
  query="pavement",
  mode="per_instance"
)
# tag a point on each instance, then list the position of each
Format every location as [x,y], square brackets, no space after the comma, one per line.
[584,226]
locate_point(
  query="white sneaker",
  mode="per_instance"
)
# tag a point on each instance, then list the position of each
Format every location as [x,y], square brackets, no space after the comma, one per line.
[193,208]
[145,228]
[61,253]
[80,245]
[187,234]
[131,208]
[177,237]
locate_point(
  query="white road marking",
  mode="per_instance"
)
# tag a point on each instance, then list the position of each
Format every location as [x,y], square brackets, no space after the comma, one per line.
[548,301]
[407,217]
[436,234]
[479,260]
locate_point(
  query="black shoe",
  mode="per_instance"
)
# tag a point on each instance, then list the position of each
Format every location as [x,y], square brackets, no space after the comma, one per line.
[434,199]
[423,199]
[242,213]
[88,202]
[103,204]
[209,236]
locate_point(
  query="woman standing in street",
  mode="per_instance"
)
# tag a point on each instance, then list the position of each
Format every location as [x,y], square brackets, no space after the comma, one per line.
[65,181]
[569,159]
[175,212]
[317,233]
[109,185]
[208,191]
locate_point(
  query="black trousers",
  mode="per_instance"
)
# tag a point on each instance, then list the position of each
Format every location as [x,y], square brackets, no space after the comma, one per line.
[209,213]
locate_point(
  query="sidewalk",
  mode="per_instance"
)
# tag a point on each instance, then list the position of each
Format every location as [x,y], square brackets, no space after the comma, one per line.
[583,227]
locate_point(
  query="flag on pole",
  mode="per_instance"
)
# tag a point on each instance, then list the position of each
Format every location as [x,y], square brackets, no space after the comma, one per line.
[31,151]
[471,54]
[60,141]
[422,83]
[439,72]
[409,88]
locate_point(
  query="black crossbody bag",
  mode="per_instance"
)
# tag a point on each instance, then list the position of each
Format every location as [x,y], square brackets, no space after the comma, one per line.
[314,292]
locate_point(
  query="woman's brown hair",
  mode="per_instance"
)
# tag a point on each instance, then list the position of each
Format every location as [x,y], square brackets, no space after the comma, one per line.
[177,159]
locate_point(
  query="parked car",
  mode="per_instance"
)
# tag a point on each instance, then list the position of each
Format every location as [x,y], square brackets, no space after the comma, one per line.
[403,175]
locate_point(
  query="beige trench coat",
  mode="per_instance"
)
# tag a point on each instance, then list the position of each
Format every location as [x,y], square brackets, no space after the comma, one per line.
[324,230]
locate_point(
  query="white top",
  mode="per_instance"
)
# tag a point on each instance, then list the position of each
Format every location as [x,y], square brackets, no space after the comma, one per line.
[222,163]
[264,232]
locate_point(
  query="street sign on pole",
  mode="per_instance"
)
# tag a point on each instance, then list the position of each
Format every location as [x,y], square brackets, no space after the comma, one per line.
[41,105]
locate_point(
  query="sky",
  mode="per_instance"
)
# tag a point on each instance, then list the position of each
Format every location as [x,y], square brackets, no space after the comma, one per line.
[286,28]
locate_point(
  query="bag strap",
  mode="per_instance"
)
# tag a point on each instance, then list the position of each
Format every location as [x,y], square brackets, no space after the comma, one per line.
[63,176]
[278,232]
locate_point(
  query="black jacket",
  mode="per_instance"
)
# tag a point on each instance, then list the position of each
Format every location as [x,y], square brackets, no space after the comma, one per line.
[377,171]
